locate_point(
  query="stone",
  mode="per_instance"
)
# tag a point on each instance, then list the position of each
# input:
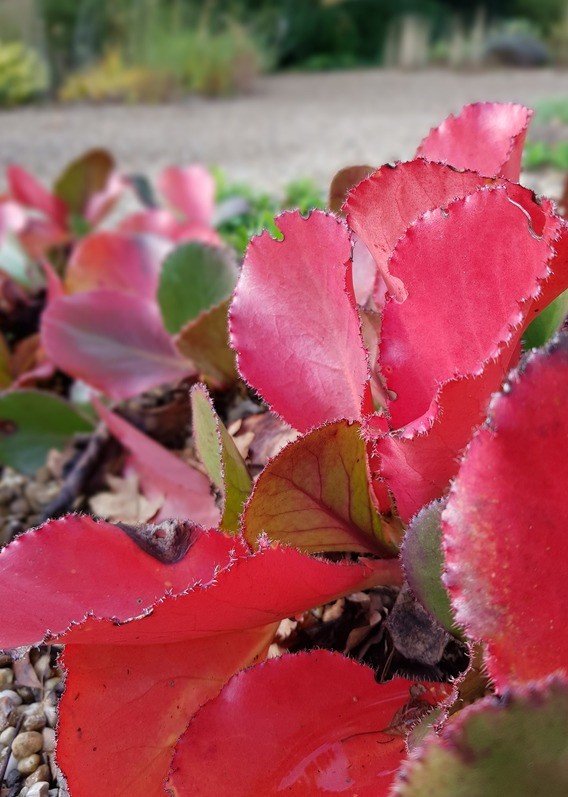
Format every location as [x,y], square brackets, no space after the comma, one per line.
[42,773]
[7,736]
[51,716]
[13,697]
[48,735]
[26,744]
[29,764]
[34,720]
[6,676]
[39,789]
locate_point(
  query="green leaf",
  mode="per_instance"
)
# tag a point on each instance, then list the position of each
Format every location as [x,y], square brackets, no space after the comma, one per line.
[315,495]
[194,278]
[31,424]
[83,178]
[547,323]
[517,746]
[221,458]
[423,562]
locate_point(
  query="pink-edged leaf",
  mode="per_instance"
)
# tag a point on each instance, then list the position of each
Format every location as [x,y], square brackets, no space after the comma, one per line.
[418,463]
[315,495]
[382,207]
[156,669]
[480,262]
[294,295]
[117,261]
[205,341]
[27,191]
[41,234]
[191,191]
[318,724]
[186,490]
[221,458]
[162,222]
[487,137]
[12,217]
[111,340]
[511,746]
[504,525]
[54,283]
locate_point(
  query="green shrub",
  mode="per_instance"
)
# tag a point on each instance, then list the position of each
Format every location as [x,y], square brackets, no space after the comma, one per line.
[23,74]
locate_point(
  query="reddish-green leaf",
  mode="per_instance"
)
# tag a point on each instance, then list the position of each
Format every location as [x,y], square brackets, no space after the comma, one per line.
[294,296]
[517,746]
[190,190]
[112,340]
[318,724]
[89,185]
[487,137]
[343,181]
[221,457]
[205,341]
[315,495]
[505,540]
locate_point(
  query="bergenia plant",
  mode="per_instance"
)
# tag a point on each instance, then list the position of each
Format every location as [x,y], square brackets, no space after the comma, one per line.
[385,339]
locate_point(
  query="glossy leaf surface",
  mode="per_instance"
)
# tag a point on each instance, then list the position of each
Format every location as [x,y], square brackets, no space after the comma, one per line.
[294,295]
[111,340]
[33,423]
[186,490]
[158,669]
[315,495]
[223,462]
[487,137]
[381,208]
[482,256]
[194,278]
[504,526]
[338,731]
[515,747]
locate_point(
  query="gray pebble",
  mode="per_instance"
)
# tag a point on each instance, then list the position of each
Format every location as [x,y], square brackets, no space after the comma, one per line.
[39,789]
[42,773]
[7,736]
[48,740]
[13,697]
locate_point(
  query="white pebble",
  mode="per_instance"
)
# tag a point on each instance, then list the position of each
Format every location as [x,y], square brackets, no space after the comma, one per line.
[48,740]
[29,764]
[12,696]
[39,789]
[7,736]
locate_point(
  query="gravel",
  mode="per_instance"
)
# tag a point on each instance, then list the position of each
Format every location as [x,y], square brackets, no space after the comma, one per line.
[295,125]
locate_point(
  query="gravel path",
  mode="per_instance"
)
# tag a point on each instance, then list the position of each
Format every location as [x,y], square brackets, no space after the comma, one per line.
[292,126]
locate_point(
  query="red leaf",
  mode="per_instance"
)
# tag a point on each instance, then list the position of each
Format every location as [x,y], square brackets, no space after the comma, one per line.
[418,463]
[382,207]
[111,340]
[186,490]
[115,261]
[487,137]
[132,686]
[505,525]
[294,296]
[191,191]
[163,223]
[318,723]
[27,191]
[479,262]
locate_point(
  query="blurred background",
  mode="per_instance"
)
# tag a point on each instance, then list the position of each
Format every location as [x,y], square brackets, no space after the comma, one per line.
[270,91]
